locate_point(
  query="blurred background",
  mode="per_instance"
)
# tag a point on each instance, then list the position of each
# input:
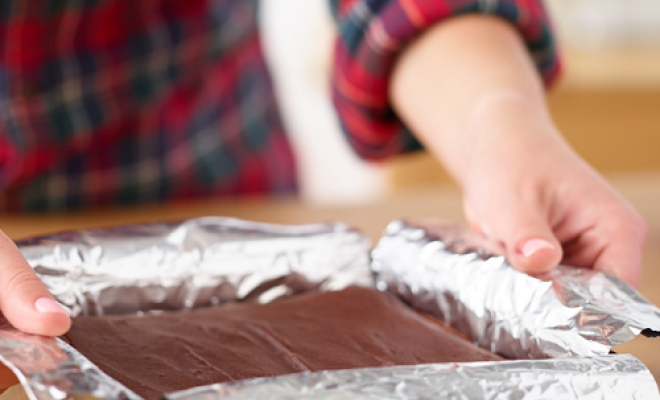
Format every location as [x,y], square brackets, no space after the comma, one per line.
[607,104]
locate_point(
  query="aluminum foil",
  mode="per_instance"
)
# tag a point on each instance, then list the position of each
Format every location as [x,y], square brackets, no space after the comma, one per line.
[208,261]
[460,278]
[615,377]
[170,266]
[195,263]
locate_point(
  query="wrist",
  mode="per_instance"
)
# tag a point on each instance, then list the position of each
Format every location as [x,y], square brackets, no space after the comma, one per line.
[509,135]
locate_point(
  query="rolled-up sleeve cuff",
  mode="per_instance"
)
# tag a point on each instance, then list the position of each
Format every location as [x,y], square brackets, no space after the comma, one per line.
[371,35]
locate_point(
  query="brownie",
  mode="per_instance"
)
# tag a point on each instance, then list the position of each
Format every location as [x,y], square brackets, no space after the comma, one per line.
[352,328]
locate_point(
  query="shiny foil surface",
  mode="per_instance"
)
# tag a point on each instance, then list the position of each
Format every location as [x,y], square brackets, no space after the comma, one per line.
[460,278]
[615,377]
[195,263]
[208,261]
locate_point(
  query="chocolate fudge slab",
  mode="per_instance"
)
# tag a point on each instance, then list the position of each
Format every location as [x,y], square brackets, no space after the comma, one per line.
[353,328]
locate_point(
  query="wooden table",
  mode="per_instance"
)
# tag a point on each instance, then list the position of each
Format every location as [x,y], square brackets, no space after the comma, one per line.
[642,190]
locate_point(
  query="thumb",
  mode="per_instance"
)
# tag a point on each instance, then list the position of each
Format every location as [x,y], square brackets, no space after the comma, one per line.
[530,243]
[24,299]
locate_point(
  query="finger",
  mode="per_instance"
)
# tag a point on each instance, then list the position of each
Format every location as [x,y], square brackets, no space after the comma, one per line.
[24,299]
[622,257]
[531,245]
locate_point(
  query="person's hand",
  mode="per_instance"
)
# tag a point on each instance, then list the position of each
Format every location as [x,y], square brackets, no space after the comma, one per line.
[530,191]
[24,300]
[468,90]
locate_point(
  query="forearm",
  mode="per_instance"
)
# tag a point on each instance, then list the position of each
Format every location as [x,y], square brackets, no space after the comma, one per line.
[466,87]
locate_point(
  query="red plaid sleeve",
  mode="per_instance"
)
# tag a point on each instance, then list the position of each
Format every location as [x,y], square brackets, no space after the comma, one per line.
[372,32]
[111,102]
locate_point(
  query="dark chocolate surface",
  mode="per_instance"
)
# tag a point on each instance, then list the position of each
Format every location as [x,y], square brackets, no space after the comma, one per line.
[353,328]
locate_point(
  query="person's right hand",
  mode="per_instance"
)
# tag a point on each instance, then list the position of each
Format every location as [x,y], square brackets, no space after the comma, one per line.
[24,300]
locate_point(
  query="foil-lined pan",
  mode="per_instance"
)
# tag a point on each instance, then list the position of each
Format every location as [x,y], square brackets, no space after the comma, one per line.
[208,261]
[462,279]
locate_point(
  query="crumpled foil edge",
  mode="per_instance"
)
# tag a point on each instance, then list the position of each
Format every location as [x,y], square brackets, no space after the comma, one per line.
[449,272]
[195,263]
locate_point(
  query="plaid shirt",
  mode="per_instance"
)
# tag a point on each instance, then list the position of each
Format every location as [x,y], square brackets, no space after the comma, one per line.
[115,102]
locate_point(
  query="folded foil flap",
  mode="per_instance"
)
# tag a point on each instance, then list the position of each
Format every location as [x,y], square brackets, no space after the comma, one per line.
[460,278]
[195,263]
[613,377]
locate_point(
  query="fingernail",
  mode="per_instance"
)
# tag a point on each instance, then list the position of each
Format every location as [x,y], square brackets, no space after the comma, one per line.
[48,305]
[533,245]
